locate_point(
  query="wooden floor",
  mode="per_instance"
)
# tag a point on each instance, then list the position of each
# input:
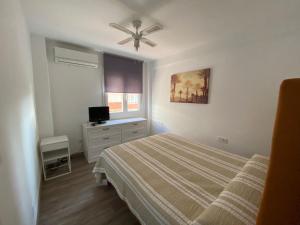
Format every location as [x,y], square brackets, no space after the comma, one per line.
[74,199]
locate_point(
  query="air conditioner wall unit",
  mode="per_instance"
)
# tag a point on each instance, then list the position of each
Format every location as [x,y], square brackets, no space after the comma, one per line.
[76,58]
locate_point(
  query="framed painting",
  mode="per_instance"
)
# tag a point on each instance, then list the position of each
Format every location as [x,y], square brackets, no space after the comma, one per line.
[190,87]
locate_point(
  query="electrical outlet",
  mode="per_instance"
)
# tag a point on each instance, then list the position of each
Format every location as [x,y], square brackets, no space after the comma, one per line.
[222,140]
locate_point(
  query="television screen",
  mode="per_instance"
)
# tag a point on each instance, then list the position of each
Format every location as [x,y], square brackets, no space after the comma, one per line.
[98,114]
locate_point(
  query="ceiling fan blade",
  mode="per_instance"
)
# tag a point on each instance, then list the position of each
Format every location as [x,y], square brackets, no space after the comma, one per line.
[148,42]
[125,41]
[151,29]
[121,28]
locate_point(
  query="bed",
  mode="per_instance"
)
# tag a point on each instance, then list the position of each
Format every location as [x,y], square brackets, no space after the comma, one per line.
[167,179]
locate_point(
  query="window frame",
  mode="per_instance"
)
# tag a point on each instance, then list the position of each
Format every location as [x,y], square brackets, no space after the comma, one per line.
[126,101]
[106,102]
[126,113]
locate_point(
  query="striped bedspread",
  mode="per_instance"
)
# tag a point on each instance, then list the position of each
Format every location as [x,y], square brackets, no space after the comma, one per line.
[166,179]
[239,202]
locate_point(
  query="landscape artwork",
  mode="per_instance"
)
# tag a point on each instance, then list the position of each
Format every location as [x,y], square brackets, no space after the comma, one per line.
[190,87]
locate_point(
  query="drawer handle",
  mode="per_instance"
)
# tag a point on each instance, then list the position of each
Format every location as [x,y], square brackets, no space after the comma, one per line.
[106,138]
[135,124]
[105,128]
[134,132]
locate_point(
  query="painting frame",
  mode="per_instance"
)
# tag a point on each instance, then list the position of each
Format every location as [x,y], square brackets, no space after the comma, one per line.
[190,87]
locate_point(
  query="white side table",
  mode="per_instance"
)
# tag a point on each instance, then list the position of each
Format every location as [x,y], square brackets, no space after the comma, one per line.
[55,154]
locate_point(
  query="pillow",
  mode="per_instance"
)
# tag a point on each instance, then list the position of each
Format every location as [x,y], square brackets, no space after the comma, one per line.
[238,203]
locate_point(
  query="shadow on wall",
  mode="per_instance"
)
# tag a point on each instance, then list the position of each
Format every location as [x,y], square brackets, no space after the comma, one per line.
[158,127]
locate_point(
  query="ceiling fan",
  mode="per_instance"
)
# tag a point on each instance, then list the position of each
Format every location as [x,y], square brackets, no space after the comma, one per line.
[137,36]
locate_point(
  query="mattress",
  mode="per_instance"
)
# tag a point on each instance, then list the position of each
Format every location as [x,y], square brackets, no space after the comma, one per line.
[167,179]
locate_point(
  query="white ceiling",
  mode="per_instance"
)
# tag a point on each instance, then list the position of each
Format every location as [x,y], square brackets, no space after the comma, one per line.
[188,23]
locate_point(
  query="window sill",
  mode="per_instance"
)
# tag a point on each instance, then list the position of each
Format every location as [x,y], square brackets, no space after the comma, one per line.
[127,115]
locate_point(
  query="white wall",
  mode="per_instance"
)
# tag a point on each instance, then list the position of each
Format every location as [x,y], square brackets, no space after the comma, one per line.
[19,165]
[42,86]
[243,94]
[64,92]
[73,90]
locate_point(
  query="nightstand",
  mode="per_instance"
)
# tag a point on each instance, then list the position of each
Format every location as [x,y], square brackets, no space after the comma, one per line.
[55,154]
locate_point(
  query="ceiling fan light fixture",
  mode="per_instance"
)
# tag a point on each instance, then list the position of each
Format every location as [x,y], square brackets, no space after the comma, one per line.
[137,36]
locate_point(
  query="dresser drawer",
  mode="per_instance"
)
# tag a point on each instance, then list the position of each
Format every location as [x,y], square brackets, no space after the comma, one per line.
[94,156]
[105,140]
[97,138]
[101,131]
[135,125]
[132,134]
[94,153]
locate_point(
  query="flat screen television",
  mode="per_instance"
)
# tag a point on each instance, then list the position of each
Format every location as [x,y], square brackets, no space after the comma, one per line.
[98,114]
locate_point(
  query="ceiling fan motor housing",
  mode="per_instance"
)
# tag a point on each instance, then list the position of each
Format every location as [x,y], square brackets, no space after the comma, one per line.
[137,24]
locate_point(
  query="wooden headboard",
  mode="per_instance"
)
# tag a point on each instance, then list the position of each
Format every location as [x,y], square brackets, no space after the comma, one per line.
[281,199]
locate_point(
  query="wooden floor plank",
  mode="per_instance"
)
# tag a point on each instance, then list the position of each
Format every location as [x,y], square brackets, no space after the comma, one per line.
[74,199]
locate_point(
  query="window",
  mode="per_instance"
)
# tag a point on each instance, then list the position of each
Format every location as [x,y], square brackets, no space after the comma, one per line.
[122,102]
[115,102]
[133,102]
[123,84]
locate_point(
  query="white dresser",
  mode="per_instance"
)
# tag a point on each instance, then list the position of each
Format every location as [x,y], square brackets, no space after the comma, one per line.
[113,132]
